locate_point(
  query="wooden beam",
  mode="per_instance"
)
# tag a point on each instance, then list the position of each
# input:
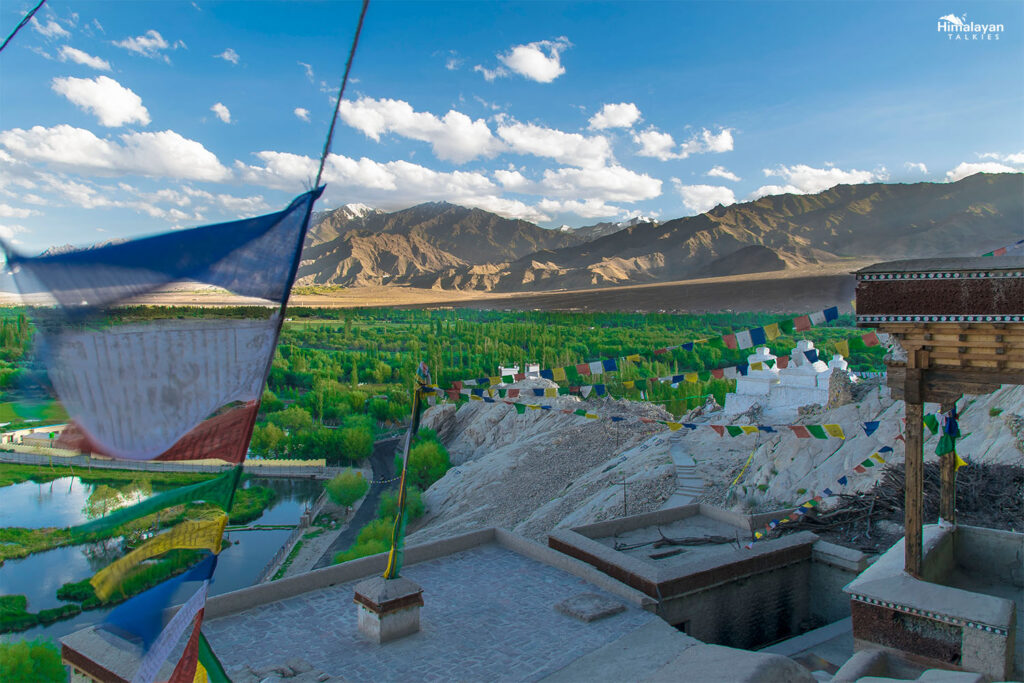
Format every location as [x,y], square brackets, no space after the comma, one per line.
[947,496]
[913,501]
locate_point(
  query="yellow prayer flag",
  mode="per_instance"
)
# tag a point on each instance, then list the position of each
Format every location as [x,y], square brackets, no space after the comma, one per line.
[200,676]
[691,377]
[959,461]
[559,374]
[843,348]
[474,397]
[533,406]
[758,534]
[194,535]
[494,380]
[834,430]
[629,384]
[771,331]
[674,426]
[749,429]
[550,392]
[591,416]
[634,357]
[877,457]
[757,366]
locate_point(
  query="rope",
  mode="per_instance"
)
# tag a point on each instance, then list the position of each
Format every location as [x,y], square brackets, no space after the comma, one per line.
[28,18]
[341,93]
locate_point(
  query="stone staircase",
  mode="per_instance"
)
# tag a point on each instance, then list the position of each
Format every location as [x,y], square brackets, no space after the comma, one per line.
[689,484]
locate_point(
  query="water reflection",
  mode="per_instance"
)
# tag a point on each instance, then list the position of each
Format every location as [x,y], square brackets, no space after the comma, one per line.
[243,557]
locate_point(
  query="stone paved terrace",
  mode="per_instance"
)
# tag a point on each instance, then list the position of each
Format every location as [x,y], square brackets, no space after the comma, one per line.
[696,526]
[489,615]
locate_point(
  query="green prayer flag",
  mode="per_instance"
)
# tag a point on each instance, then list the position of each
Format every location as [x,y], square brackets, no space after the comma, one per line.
[563,391]
[787,327]
[868,463]
[214,670]
[733,430]
[947,444]
[219,491]
[817,431]
[508,379]
[581,411]
[704,376]
[520,408]
[932,423]
[502,393]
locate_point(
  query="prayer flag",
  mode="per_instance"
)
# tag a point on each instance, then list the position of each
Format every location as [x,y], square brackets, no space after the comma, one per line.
[834,430]
[513,393]
[596,367]
[192,535]
[550,392]
[547,374]
[859,469]
[520,408]
[843,348]
[800,431]
[634,358]
[828,492]
[959,461]
[688,346]
[743,339]
[870,339]
[718,374]
[559,375]
[932,423]
[842,481]
[719,429]
[520,376]
[674,426]
[766,428]
[817,431]
[817,318]
[749,429]
[660,351]
[729,340]
[580,411]
[585,390]
[733,430]
[782,362]
[831,313]
[538,391]
[870,427]
[583,369]
[771,331]
[878,457]
[868,463]
[628,384]
[591,416]
[691,377]
[757,366]
[758,336]
[491,381]
[811,355]
[802,323]
[599,389]
[610,365]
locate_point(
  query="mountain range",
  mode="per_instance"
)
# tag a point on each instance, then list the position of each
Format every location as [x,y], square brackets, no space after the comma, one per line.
[444,246]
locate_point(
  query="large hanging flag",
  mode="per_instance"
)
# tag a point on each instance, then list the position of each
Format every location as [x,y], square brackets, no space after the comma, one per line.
[139,386]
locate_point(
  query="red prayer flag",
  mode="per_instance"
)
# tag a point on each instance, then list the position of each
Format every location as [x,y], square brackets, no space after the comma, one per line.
[185,671]
[657,351]
[999,252]
[870,339]
[519,376]
[782,362]
[583,368]
[513,393]
[718,374]
[802,323]
[457,385]
[859,469]
[730,340]
[719,429]
[453,394]
[800,431]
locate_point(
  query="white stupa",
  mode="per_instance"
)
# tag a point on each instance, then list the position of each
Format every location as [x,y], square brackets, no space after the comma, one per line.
[782,391]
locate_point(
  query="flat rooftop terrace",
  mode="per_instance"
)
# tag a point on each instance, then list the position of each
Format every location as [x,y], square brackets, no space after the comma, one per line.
[489,614]
[677,556]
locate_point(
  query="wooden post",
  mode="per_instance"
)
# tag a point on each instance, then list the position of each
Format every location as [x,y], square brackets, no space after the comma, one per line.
[947,499]
[913,506]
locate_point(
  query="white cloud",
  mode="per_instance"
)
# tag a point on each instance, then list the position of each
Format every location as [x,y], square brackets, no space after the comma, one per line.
[68,53]
[112,103]
[51,29]
[389,185]
[540,61]
[308,68]
[455,137]
[160,154]
[8,211]
[916,166]
[567,148]
[701,198]
[490,74]
[222,112]
[804,179]
[1017,158]
[229,55]
[965,169]
[723,172]
[610,183]
[302,113]
[151,45]
[589,208]
[654,143]
[452,61]
[8,231]
[622,115]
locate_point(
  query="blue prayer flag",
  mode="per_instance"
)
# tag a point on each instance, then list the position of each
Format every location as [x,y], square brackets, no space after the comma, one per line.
[870,427]
[609,365]
[831,313]
[547,374]
[757,335]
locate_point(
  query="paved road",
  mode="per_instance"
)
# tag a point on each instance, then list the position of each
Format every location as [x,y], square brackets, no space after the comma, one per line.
[383,463]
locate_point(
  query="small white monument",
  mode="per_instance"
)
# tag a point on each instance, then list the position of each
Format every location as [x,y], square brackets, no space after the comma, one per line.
[801,383]
[532,370]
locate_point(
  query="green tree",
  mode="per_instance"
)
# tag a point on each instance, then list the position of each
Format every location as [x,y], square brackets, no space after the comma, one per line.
[31,661]
[292,419]
[348,487]
[356,443]
[414,507]
[428,461]
[267,440]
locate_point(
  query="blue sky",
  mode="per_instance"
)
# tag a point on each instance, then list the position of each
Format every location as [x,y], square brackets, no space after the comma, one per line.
[125,118]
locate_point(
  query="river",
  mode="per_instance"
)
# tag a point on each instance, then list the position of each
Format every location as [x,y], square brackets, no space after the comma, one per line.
[64,502]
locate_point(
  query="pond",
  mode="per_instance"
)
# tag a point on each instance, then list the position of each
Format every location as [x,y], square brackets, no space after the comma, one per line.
[243,557]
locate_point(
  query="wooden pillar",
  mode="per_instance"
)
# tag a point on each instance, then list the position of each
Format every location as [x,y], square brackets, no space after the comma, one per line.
[947,497]
[913,505]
